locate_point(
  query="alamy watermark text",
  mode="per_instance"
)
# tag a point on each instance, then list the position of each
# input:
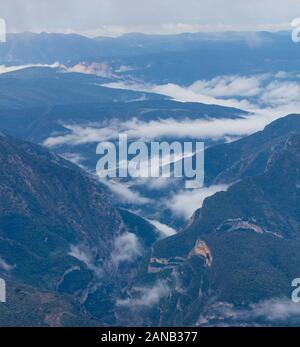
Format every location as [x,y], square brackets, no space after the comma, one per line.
[152,160]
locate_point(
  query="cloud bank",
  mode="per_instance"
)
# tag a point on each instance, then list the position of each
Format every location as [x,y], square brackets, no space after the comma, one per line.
[164,229]
[5,69]
[184,203]
[275,310]
[157,129]
[147,296]
[127,248]
[83,255]
[5,266]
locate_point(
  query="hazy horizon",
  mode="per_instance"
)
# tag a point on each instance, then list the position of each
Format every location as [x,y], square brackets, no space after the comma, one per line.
[287,31]
[115,17]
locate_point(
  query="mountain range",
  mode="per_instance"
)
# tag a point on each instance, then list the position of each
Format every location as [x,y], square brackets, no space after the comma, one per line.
[159,59]
[62,242]
[79,251]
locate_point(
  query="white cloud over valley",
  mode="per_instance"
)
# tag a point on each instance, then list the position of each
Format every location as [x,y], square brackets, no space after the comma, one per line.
[147,296]
[164,229]
[267,311]
[6,69]
[186,202]
[265,96]
[126,248]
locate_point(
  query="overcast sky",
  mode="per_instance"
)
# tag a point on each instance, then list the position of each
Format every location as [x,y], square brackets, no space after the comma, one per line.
[114,17]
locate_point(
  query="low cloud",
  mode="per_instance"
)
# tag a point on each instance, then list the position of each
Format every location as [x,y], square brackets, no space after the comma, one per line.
[164,229]
[127,248]
[83,134]
[184,203]
[83,255]
[124,193]
[281,93]
[229,86]
[74,158]
[181,94]
[194,129]
[157,129]
[156,183]
[267,95]
[5,266]
[275,310]
[6,69]
[146,296]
